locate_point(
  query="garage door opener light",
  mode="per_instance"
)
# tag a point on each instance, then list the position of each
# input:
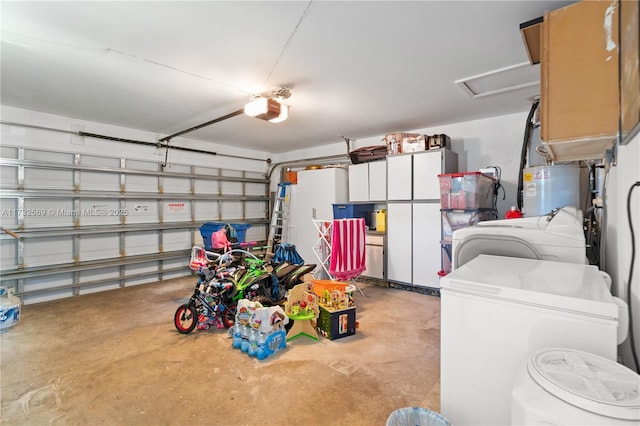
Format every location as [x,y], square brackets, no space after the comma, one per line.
[272,108]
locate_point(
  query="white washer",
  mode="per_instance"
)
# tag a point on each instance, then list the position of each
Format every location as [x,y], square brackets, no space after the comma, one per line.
[572,387]
[558,236]
[496,311]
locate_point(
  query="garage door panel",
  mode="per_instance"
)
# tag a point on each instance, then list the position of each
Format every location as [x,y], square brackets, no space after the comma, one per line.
[9,212]
[9,253]
[141,211]
[9,176]
[176,211]
[54,284]
[48,178]
[48,251]
[145,242]
[103,211]
[49,212]
[99,246]
[99,181]
[206,211]
[176,240]
[109,279]
[142,268]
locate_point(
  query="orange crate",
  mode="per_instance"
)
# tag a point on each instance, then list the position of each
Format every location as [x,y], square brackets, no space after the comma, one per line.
[320,286]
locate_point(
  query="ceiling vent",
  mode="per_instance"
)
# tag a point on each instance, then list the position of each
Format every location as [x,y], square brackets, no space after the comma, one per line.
[503,80]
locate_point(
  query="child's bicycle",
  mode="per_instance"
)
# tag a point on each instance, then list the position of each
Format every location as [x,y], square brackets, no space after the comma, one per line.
[210,304]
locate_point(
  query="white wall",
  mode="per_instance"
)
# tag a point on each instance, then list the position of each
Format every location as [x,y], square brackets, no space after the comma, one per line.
[618,236]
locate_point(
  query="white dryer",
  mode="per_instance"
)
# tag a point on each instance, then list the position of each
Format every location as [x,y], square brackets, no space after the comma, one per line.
[496,311]
[558,236]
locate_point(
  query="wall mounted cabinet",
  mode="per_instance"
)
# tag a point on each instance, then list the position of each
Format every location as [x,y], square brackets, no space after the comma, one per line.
[368,182]
[579,78]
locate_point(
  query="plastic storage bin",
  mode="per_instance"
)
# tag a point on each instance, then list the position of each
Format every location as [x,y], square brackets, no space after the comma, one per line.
[208,228]
[457,219]
[446,258]
[470,190]
[241,231]
[348,211]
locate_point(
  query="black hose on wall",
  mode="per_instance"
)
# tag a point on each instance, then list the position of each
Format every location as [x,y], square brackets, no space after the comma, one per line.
[525,149]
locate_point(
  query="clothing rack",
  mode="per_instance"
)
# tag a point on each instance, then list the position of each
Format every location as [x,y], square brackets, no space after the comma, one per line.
[322,247]
[322,250]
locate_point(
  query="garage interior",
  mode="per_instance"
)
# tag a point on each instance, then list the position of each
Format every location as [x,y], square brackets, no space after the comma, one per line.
[137,109]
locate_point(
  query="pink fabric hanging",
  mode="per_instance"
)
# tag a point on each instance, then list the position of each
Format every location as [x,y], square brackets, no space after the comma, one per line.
[348,250]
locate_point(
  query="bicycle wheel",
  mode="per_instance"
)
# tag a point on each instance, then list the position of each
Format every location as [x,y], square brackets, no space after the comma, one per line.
[229,315]
[185,318]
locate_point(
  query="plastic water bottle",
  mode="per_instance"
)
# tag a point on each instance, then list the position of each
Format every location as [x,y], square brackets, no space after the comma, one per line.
[253,342]
[244,344]
[262,352]
[237,336]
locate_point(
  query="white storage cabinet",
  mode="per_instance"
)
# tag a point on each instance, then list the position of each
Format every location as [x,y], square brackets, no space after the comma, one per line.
[368,182]
[414,228]
[313,198]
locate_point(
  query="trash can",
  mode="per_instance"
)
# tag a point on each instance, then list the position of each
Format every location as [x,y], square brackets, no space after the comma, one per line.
[416,416]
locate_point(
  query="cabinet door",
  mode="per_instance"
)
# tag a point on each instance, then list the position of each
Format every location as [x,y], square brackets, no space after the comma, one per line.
[399,177]
[359,182]
[399,234]
[426,167]
[579,76]
[426,244]
[375,257]
[378,181]
[313,198]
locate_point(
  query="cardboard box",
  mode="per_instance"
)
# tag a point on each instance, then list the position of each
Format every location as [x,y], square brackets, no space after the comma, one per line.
[414,144]
[335,324]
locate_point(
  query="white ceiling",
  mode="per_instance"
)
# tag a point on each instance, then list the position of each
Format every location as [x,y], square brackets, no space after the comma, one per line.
[355,68]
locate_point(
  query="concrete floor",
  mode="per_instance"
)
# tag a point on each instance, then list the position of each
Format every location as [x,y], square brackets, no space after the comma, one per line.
[115,358]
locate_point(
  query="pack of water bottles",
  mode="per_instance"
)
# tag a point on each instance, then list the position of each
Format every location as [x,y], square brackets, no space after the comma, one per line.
[259,331]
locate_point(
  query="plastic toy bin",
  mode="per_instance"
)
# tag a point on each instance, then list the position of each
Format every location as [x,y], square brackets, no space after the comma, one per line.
[241,231]
[446,258]
[457,219]
[319,286]
[208,228]
[348,211]
[470,190]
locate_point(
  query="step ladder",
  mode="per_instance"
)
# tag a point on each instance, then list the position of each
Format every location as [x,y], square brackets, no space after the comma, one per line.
[279,219]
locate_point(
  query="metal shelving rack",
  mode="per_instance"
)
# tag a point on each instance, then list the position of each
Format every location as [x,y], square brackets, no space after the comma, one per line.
[26,187]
